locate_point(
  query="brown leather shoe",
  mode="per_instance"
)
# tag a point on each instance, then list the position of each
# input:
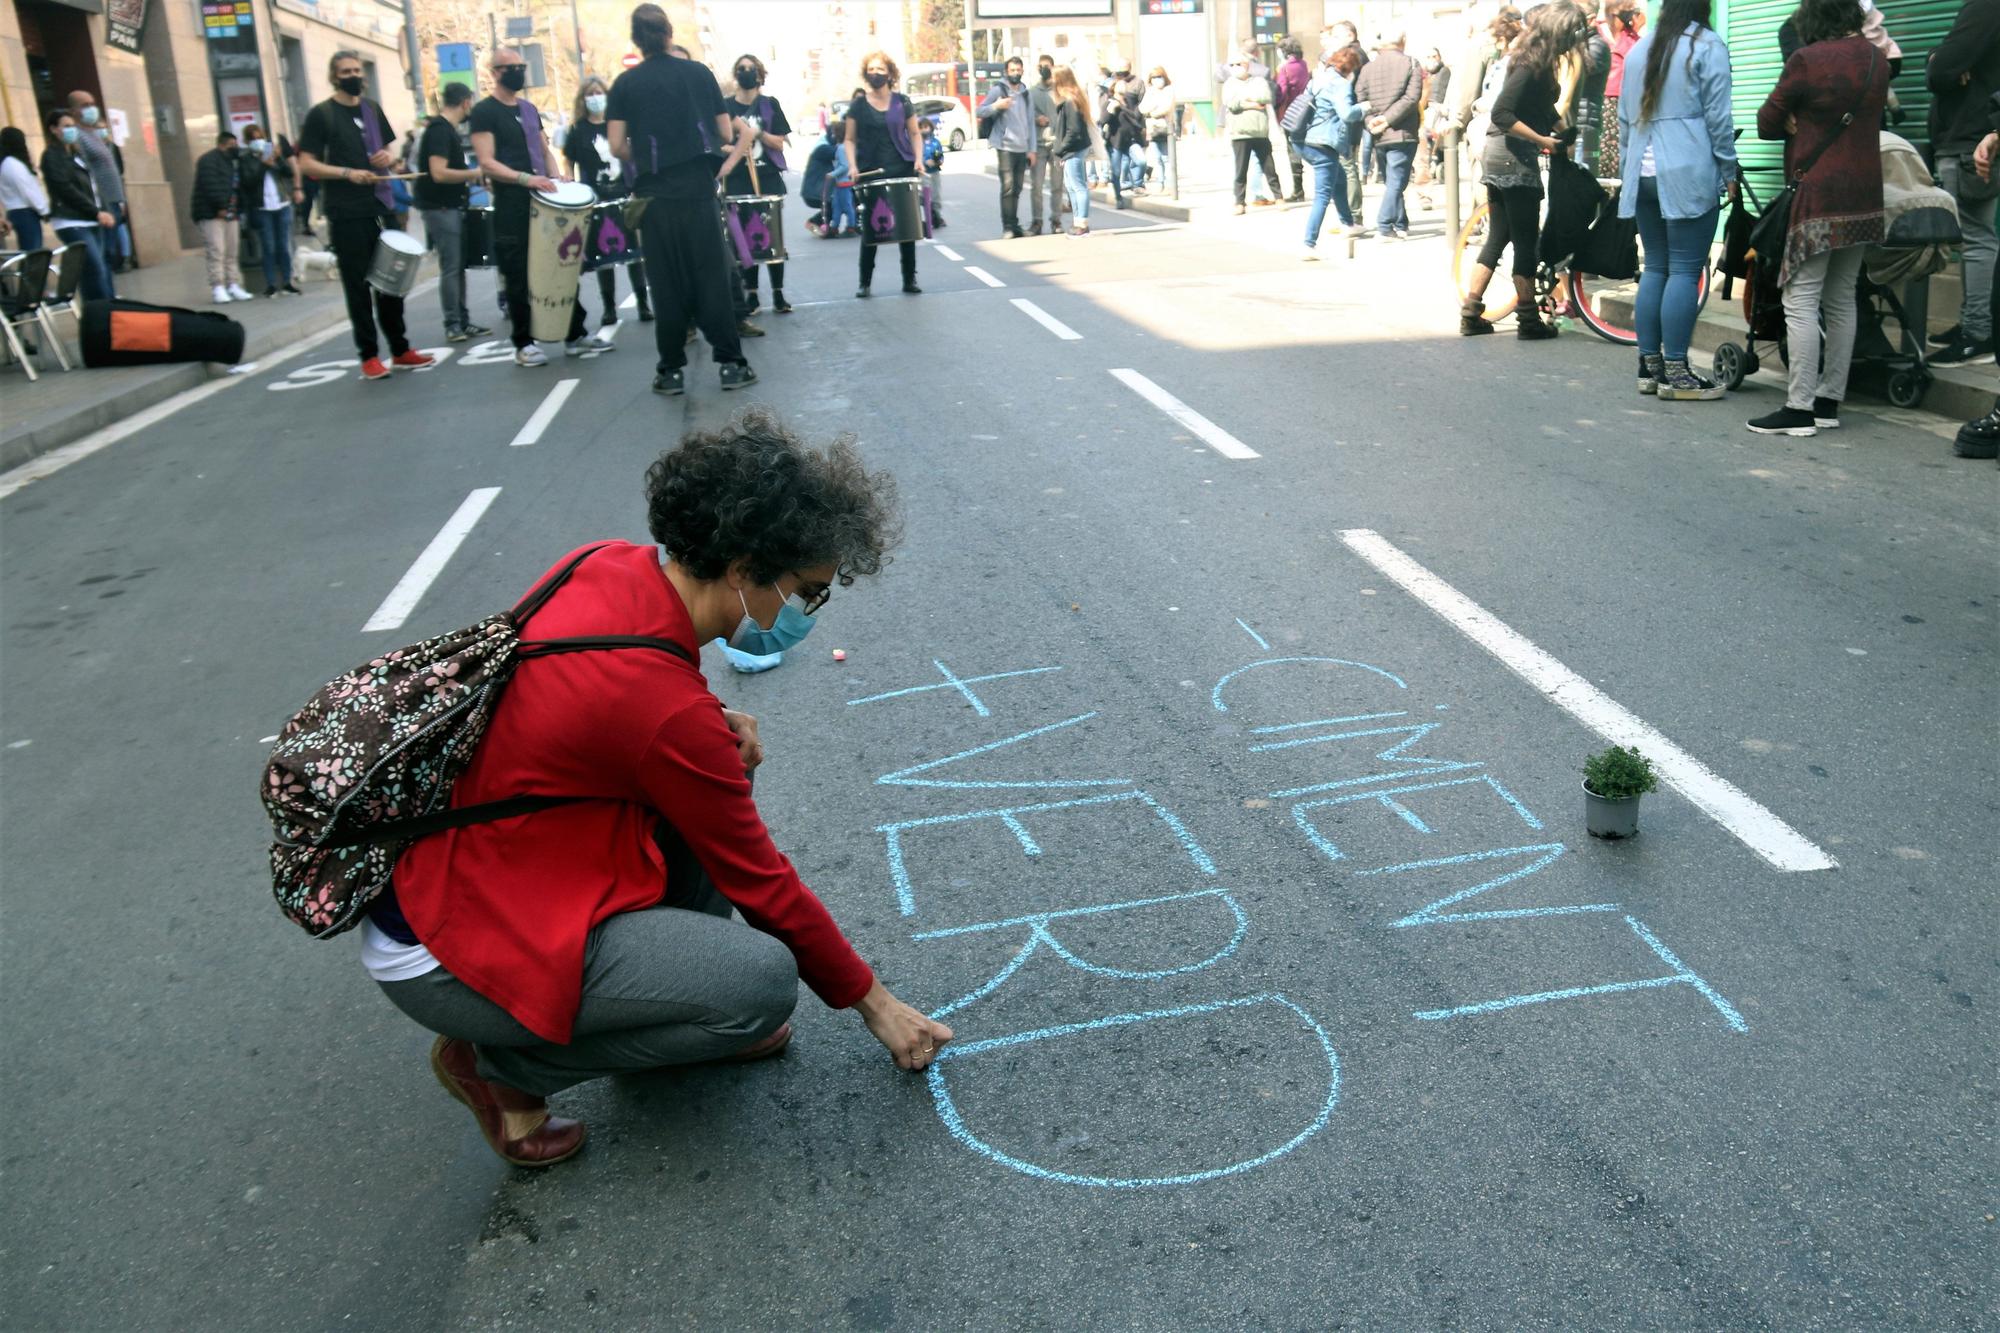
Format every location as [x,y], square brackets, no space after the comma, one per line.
[554,1140]
[762,1049]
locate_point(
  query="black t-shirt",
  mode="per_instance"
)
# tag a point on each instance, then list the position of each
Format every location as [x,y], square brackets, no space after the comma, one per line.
[665,102]
[332,133]
[510,141]
[440,140]
[874,150]
[587,145]
[765,117]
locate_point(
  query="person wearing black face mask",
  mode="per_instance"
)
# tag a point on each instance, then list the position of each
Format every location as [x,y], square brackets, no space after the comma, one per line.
[344,144]
[749,104]
[514,153]
[1013,136]
[1043,166]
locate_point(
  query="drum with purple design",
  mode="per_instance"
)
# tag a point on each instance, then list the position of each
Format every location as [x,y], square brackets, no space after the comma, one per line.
[891,210]
[611,239]
[760,218]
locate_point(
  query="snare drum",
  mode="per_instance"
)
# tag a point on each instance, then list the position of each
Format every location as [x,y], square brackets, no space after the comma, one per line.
[891,211]
[393,270]
[761,220]
[476,234]
[558,223]
[611,240]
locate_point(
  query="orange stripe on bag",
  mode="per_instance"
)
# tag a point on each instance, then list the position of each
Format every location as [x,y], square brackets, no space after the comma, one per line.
[142,331]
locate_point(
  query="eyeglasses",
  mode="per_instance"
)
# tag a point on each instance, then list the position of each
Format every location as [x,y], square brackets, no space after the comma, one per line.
[502,69]
[817,600]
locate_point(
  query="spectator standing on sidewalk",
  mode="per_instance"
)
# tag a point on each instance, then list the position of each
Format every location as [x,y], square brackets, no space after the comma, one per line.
[1828,109]
[1963,73]
[1393,86]
[269,188]
[75,213]
[1158,107]
[106,173]
[1293,76]
[216,205]
[1044,172]
[1012,113]
[1476,80]
[1072,141]
[1523,128]
[1246,98]
[21,193]
[1330,140]
[1980,438]
[1124,135]
[1679,151]
[1343,35]
[1585,73]
[1434,116]
[1626,23]
[441,196]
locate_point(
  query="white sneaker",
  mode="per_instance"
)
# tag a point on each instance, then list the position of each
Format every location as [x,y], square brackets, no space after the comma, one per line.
[221,295]
[1309,255]
[531,355]
[596,342]
[236,293]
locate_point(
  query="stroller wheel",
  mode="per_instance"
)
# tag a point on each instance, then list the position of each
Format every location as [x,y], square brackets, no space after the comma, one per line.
[1907,387]
[1752,366]
[1730,365]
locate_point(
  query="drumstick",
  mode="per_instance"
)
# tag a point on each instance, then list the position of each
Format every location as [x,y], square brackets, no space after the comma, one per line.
[864,175]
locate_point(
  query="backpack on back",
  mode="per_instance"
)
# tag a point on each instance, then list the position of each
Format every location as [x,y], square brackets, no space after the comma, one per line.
[366,767]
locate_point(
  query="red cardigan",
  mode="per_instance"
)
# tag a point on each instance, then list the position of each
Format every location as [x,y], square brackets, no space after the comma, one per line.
[1839,203]
[506,907]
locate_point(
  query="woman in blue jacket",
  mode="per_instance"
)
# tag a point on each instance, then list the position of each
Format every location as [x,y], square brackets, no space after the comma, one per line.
[1677,153]
[1329,139]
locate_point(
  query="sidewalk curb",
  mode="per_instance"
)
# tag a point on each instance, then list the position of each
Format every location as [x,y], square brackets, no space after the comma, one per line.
[24,440]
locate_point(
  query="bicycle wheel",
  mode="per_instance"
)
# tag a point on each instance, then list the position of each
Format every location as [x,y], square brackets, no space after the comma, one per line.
[1500,297]
[1588,293]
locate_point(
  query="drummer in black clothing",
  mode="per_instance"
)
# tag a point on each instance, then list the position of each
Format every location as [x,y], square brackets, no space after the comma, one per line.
[587,145]
[514,153]
[343,144]
[655,114]
[751,105]
[882,144]
[441,197]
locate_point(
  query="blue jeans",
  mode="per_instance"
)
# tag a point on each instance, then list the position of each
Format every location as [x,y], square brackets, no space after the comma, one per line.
[1076,184]
[1329,186]
[1676,252]
[96,271]
[840,213]
[1120,171]
[1397,159]
[274,234]
[27,225]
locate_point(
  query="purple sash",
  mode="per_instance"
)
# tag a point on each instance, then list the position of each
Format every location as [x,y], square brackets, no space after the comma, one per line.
[374,138]
[775,156]
[899,128]
[531,126]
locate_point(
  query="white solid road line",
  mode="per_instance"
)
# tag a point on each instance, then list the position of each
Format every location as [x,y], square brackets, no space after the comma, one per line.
[1045,319]
[403,598]
[949,253]
[1752,825]
[984,276]
[1218,439]
[544,414]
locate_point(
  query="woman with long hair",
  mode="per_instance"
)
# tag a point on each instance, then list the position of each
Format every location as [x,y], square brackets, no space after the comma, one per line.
[270,189]
[1828,110]
[587,145]
[1523,128]
[21,192]
[1679,150]
[748,102]
[882,145]
[1330,141]
[1626,20]
[1072,141]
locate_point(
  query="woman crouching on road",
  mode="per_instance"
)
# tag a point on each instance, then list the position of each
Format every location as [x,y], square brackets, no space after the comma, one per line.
[597,937]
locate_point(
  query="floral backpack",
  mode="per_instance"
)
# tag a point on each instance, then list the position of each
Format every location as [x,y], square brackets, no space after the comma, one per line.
[366,767]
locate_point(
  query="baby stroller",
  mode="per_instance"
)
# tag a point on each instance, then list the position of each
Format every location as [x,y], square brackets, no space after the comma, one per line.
[1921,229]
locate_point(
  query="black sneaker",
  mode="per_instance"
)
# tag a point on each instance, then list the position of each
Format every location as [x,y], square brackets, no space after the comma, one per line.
[1826,413]
[910,288]
[779,304]
[1650,368]
[1785,421]
[1965,353]
[457,335]
[475,330]
[1951,337]
[737,374]
[1017,234]
[1533,330]
[1679,384]
[1034,229]
[752,306]
[1981,438]
[671,383]
[861,292]
[291,289]
[270,291]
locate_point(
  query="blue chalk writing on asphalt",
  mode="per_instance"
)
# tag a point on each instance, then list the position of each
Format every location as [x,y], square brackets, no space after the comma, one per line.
[1385,797]
[1215,696]
[1010,816]
[901,777]
[1261,643]
[1431,915]
[952,682]
[1393,755]
[955,1124]
[1326,722]
[1682,976]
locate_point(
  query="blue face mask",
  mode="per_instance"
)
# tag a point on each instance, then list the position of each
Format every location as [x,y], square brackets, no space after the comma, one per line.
[70,134]
[787,631]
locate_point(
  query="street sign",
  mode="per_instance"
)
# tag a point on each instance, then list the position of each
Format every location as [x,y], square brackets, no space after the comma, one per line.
[630,60]
[521,26]
[454,57]
[1267,19]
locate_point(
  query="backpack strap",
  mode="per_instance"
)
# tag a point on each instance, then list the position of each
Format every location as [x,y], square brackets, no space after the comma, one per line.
[422,826]
[1846,119]
[550,647]
[539,595]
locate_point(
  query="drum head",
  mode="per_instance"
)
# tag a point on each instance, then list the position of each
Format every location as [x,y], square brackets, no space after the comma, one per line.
[740,199]
[402,242]
[568,194]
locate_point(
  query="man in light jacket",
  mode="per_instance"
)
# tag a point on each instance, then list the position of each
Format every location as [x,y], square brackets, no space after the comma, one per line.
[1043,167]
[1393,83]
[97,155]
[1012,112]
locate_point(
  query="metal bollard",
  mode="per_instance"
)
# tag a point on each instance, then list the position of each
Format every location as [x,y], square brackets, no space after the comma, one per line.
[1174,164]
[1451,210]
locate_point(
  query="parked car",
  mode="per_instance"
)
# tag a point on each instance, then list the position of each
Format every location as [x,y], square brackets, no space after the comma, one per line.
[954,126]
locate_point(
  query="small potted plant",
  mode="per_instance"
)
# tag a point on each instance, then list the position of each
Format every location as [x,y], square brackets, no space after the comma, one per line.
[1613,782]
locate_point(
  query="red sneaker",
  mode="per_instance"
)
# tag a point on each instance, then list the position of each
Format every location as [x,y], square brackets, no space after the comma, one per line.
[373,369]
[555,1140]
[413,360]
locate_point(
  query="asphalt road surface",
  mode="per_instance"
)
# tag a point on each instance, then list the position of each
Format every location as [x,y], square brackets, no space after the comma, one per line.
[1227,806]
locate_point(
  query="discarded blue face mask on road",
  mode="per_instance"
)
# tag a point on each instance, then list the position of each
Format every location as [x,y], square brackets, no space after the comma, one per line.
[787,631]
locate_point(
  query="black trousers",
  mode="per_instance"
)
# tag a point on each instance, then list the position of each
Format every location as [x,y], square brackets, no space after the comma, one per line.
[1013,166]
[1243,148]
[905,250]
[688,268]
[510,256]
[353,241]
[1516,219]
[777,277]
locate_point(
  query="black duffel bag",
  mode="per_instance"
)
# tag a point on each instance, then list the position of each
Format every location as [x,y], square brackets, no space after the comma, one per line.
[131,333]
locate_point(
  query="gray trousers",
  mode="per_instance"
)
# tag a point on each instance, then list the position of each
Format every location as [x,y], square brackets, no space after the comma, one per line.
[1982,247]
[446,229]
[1046,174]
[1823,285]
[671,985]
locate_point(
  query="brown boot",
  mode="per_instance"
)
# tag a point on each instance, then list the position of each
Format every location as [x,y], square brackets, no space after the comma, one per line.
[552,1140]
[1471,319]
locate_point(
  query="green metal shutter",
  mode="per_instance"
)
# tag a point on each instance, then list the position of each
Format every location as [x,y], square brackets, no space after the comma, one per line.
[1918,26]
